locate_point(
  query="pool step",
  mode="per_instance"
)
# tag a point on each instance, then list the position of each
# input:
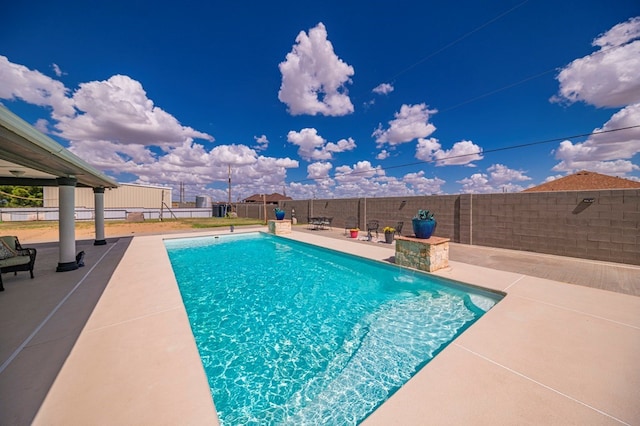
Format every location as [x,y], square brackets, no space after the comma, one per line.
[383,352]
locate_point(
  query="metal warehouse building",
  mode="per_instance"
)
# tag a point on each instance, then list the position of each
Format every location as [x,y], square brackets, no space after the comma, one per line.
[126,195]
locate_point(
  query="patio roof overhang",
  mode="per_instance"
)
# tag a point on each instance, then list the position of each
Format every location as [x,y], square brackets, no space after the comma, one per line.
[30,158]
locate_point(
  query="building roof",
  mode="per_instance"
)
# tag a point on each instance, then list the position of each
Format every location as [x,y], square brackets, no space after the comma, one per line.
[29,157]
[270,198]
[585,180]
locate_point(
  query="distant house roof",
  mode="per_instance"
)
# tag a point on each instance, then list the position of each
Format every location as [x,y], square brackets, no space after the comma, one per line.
[270,198]
[584,180]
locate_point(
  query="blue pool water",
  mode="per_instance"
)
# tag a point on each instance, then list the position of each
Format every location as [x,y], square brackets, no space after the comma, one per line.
[291,333]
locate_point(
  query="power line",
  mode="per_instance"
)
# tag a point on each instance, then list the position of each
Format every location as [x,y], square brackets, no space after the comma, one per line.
[458,40]
[492,92]
[517,83]
[488,151]
[487,94]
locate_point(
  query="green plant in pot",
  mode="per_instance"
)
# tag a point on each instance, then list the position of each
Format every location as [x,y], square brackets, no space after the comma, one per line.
[279,213]
[388,234]
[424,224]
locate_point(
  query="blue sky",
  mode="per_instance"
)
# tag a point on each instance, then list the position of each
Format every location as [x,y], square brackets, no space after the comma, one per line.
[331,99]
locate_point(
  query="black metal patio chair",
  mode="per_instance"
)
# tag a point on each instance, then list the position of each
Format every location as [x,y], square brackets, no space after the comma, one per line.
[350,223]
[14,257]
[372,225]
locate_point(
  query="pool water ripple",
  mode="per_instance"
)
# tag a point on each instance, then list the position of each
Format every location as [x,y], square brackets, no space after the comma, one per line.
[294,334]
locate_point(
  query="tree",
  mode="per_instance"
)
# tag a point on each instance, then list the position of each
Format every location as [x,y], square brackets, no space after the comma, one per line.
[20,196]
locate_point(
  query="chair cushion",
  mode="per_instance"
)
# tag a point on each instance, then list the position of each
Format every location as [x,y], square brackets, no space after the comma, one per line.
[6,251]
[10,241]
[14,261]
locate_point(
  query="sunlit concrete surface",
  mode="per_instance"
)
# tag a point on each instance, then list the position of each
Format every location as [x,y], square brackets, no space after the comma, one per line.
[110,343]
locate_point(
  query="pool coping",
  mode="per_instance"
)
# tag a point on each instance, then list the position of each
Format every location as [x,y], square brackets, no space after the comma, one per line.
[535,357]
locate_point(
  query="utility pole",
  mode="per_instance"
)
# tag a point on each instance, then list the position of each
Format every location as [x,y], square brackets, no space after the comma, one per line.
[230,208]
[264,206]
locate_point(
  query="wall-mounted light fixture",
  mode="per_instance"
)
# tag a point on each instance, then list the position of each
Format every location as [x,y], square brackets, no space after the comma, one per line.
[582,205]
[17,173]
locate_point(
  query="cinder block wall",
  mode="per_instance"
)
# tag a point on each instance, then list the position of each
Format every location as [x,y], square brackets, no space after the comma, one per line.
[388,211]
[561,223]
[544,222]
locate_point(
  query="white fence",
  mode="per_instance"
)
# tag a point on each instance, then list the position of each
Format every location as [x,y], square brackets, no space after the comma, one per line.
[46,213]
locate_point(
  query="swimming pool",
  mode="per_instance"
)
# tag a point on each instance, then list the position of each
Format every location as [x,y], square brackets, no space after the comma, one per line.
[298,334]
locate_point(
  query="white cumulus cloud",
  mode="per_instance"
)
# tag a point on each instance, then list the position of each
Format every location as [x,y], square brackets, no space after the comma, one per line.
[383,155]
[119,110]
[236,155]
[362,170]
[309,144]
[608,153]
[42,125]
[19,82]
[462,153]
[341,146]
[411,122]
[314,77]
[608,77]
[115,126]
[499,179]
[477,183]
[319,170]
[383,89]
[262,143]
[501,175]
[57,70]
[422,185]
[620,34]
[267,174]
[312,146]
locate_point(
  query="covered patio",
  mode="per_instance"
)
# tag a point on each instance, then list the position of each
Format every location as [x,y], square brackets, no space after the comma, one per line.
[30,158]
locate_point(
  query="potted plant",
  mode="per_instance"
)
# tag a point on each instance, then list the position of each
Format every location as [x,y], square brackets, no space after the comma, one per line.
[279,213]
[388,234]
[354,232]
[424,224]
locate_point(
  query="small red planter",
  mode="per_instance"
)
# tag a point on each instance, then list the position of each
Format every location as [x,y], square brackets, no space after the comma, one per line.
[354,234]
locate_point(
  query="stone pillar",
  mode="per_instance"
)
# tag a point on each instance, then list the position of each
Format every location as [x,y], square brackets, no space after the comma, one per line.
[428,254]
[67,224]
[98,201]
[278,227]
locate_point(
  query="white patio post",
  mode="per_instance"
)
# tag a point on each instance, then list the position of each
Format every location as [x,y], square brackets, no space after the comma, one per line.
[67,224]
[98,201]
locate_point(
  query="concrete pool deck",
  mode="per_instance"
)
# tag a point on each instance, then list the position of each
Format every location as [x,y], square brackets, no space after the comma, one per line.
[110,343]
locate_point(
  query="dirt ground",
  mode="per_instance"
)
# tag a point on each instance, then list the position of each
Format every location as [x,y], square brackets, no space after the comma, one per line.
[85,231]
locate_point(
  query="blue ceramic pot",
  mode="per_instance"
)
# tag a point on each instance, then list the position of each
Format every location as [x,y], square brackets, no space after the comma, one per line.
[423,228]
[279,215]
